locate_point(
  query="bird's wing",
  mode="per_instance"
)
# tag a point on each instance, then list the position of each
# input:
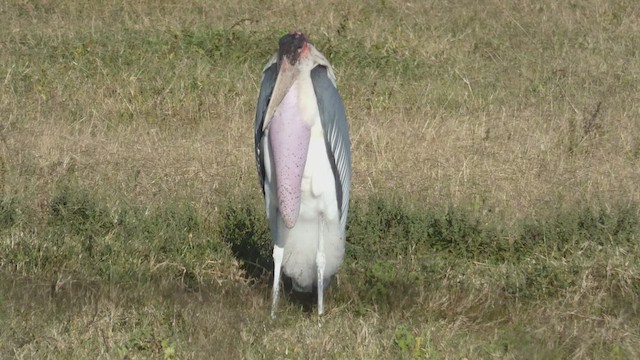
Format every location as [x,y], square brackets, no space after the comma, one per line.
[336,135]
[269,75]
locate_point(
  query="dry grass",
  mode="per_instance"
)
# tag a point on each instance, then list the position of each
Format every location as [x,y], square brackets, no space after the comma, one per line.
[471,102]
[506,109]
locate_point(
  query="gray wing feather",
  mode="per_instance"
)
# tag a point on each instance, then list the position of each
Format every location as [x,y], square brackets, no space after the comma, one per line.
[336,135]
[269,76]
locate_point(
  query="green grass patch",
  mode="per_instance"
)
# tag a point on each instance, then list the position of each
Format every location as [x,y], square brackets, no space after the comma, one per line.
[400,258]
[86,236]
[396,245]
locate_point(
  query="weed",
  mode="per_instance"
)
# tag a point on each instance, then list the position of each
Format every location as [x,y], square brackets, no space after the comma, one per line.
[8,213]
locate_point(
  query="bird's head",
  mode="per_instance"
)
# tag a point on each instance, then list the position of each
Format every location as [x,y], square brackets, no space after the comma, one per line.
[292,48]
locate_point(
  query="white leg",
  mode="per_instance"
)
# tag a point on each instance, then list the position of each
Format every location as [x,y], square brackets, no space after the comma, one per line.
[320,263]
[278,254]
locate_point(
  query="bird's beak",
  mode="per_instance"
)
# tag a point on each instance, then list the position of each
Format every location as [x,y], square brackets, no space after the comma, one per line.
[286,77]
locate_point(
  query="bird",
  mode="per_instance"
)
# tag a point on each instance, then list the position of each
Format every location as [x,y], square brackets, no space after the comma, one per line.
[303,158]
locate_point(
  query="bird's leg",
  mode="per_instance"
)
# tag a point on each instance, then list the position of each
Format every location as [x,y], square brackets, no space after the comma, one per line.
[320,263]
[278,254]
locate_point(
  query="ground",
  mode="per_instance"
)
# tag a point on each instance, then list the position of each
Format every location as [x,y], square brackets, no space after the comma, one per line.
[495,206]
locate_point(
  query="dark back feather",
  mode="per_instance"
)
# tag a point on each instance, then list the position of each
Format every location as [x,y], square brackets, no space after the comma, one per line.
[336,135]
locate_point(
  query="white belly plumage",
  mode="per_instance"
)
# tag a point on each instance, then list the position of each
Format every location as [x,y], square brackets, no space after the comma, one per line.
[318,202]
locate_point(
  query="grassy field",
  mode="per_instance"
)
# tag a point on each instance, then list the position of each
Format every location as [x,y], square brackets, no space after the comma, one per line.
[495,201]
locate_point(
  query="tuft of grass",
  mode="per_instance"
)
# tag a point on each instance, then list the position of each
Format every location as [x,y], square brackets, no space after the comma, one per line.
[568,231]
[8,213]
[383,227]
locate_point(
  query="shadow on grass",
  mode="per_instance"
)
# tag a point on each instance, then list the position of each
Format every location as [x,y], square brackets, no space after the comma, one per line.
[244,227]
